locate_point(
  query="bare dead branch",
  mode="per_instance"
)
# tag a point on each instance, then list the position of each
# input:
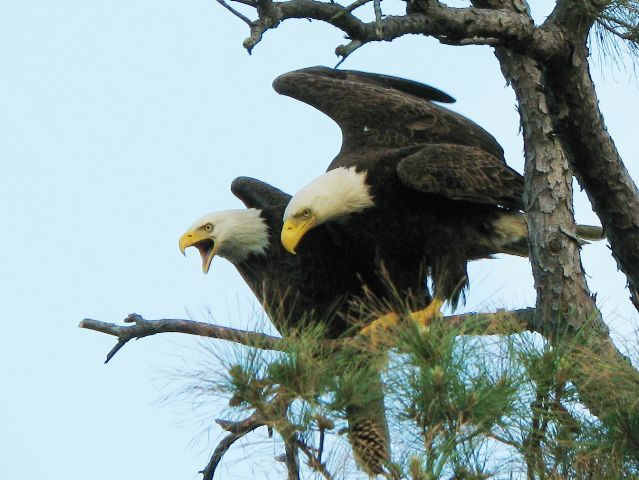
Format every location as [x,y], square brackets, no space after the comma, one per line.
[143,328]
[457,26]
[501,322]
[237,431]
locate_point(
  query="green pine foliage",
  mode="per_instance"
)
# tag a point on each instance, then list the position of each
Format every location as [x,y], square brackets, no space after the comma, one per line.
[459,406]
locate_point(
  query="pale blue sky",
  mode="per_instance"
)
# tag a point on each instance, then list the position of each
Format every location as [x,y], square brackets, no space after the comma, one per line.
[120,123]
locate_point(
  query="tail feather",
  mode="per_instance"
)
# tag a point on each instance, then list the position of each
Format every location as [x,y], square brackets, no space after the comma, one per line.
[511,234]
[589,232]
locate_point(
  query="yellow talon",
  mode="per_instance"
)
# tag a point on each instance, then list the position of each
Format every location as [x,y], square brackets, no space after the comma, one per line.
[431,312]
[380,325]
[377,330]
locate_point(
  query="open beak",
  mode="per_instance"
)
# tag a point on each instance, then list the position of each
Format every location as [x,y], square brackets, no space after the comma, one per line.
[293,231]
[205,245]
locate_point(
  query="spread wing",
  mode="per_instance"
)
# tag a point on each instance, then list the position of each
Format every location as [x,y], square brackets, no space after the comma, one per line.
[462,173]
[379,111]
[257,194]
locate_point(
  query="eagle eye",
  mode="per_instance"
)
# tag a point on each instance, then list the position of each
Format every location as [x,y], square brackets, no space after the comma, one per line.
[306,213]
[208,227]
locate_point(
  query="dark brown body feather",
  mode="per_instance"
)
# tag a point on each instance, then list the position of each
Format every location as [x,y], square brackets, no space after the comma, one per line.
[438,180]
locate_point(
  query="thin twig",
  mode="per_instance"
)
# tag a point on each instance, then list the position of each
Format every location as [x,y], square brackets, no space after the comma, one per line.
[320,449]
[314,461]
[121,343]
[505,441]
[624,36]
[377,7]
[242,17]
[353,6]
[622,23]
[345,50]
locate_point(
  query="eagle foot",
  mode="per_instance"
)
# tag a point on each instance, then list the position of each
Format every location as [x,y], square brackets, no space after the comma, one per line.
[428,314]
[377,330]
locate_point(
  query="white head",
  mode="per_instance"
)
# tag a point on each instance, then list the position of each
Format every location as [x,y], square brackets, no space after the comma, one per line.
[231,234]
[331,196]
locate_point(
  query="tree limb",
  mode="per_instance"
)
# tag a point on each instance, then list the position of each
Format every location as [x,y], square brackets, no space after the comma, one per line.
[501,322]
[143,328]
[454,26]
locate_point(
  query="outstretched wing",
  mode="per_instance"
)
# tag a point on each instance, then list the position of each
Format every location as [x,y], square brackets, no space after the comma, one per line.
[379,111]
[462,173]
[257,194]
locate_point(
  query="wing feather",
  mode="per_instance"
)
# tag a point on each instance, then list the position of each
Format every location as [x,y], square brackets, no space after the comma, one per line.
[379,111]
[257,194]
[462,173]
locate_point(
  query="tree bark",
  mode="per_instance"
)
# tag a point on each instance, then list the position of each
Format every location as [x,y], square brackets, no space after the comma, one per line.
[566,311]
[597,163]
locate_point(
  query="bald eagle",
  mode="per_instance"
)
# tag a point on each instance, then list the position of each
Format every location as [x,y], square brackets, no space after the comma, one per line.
[423,183]
[327,281]
[322,282]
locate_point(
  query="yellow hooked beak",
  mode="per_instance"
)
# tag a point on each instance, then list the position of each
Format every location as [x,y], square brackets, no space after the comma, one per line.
[293,231]
[205,245]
